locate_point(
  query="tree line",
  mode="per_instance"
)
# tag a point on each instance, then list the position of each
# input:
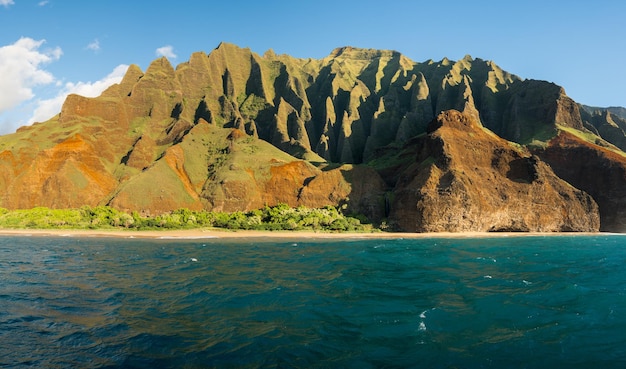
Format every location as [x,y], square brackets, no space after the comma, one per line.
[274,218]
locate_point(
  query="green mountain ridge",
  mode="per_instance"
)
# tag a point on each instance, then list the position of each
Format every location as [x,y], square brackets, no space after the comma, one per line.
[234,130]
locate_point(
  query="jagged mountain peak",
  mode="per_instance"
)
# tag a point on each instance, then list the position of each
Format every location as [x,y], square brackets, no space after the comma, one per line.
[350,52]
[160,65]
[171,128]
[269,53]
[132,74]
[226,46]
[342,107]
[124,88]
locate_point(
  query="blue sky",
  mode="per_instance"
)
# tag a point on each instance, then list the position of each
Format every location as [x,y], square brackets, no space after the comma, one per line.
[49,48]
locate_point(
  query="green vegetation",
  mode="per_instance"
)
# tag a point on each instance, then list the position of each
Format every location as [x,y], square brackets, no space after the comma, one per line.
[251,105]
[538,136]
[275,218]
[586,136]
[392,155]
[591,138]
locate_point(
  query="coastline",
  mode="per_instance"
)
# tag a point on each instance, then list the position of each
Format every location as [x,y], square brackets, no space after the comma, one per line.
[227,234]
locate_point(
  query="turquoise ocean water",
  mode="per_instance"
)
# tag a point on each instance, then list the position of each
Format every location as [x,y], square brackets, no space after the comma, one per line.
[507,302]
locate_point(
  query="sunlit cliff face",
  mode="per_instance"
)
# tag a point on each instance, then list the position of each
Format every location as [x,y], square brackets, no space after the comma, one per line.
[233,130]
[477,181]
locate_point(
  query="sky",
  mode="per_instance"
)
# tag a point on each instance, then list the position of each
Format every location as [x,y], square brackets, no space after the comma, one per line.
[51,48]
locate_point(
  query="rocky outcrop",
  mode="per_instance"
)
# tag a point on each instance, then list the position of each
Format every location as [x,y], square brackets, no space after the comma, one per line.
[599,171]
[606,125]
[465,178]
[532,110]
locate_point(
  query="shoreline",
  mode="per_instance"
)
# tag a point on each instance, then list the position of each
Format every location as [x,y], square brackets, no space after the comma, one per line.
[226,234]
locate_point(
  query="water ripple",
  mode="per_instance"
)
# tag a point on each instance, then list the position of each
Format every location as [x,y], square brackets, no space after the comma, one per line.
[521,302]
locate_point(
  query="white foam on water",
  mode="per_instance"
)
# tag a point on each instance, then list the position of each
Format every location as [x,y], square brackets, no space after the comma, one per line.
[422,327]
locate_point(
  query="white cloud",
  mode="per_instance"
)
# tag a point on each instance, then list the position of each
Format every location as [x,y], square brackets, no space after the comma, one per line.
[48,108]
[94,45]
[22,73]
[166,51]
[21,68]
[43,3]
[6,3]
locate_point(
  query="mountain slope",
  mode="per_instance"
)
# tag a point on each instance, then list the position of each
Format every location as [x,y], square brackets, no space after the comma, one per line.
[599,171]
[480,182]
[234,130]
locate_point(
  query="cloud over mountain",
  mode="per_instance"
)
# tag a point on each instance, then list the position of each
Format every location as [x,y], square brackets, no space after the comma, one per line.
[49,107]
[22,66]
[166,51]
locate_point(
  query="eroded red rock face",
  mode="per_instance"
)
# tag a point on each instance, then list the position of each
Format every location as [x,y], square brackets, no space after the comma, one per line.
[594,169]
[467,179]
[70,174]
[226,170]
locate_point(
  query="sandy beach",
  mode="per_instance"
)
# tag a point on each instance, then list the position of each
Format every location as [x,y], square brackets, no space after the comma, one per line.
[212,233]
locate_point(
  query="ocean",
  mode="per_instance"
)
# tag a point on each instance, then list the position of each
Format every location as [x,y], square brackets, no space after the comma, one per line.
[496,302]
